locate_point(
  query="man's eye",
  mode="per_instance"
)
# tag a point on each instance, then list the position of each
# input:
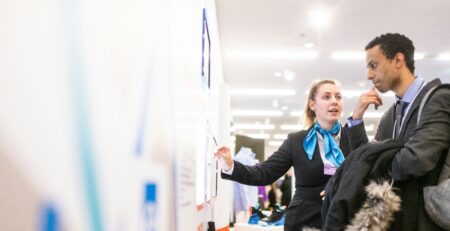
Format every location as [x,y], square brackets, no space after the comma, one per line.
[326,97]
[338,97]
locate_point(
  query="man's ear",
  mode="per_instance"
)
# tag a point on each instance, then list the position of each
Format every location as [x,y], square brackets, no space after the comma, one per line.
[399,59]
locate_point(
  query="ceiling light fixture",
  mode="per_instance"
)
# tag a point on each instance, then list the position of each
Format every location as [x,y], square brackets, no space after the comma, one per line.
[348,55]
[419,56]
[289,75]
[296,113]
[278,74]
[275,103]
[319,18]
[256,113]
[263,92]
[443,56]
[308,45]
[290,127]
[273,55]
[255,126]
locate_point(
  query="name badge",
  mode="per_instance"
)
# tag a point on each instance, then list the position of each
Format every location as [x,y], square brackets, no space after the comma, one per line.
[329,169]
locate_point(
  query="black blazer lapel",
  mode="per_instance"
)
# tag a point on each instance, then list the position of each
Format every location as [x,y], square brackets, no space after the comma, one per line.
[386,127]
[343,143]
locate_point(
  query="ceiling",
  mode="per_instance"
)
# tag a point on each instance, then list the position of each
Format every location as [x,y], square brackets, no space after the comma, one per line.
[284,26]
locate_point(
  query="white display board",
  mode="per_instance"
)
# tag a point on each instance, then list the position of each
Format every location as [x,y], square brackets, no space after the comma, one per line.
[100,102]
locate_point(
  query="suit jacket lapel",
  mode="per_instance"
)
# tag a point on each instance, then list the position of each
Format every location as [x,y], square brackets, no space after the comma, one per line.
[343,143]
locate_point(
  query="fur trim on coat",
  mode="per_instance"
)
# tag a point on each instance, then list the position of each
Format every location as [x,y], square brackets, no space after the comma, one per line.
[377,212]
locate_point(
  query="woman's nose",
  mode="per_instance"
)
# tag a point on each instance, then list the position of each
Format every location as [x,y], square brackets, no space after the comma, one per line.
[334,100]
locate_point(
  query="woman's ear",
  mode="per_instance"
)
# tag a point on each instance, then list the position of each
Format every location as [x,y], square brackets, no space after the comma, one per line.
[311,105]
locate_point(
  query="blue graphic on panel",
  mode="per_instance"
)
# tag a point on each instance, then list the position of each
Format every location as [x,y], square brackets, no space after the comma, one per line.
[80,108]
[49,218]
[143,119]
[206,52]
[150,207]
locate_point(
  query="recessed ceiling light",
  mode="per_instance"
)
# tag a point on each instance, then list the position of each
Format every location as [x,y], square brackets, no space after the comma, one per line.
[319,18]
[443,56]
[308,45]
[419,56]
[278,74]
[273,55]
[284,108]
[296,113]
[275,103]
[263,92]
[295,127]
[255,126]
[289,75]
[348,55]
[256,113]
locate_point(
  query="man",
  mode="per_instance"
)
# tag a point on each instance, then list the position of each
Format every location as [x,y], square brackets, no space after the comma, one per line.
[390,66]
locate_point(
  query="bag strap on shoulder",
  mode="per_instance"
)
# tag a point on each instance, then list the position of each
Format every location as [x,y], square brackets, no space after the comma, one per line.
[426,98]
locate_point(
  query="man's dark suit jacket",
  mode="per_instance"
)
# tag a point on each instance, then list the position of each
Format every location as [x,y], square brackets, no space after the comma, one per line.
[310,180]
[418,164]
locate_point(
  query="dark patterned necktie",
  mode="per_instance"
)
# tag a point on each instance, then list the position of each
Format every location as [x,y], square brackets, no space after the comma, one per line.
[399,108]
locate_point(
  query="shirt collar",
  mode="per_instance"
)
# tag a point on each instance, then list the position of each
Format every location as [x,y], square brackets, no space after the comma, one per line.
[412,90]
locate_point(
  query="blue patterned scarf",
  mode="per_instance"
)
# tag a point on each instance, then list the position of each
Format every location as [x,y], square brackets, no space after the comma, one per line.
[332,151]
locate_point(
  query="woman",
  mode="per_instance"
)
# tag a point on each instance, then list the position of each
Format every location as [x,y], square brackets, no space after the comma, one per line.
[314,153]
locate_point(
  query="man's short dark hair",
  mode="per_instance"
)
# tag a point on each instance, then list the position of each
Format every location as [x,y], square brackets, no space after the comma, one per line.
[391,44]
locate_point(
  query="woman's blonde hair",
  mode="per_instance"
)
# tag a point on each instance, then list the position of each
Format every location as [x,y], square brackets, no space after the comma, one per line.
[310,115]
